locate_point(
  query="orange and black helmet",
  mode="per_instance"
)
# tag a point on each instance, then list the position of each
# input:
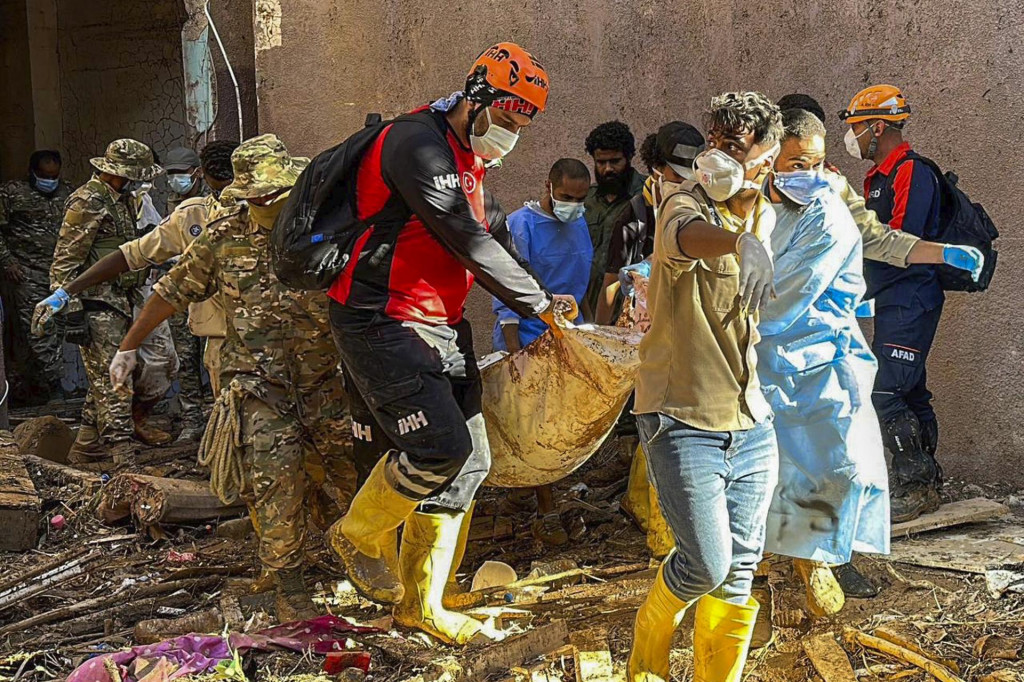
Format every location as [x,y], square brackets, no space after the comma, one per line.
[879,102]
[508,77]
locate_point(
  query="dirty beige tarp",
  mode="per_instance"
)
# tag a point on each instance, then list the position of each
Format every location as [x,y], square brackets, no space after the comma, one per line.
[549,407]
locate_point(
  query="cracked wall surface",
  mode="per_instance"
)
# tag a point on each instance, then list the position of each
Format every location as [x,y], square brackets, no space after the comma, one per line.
[648,61]
[121,76]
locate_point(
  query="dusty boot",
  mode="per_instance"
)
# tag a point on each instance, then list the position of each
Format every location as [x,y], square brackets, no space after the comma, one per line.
[265,583]
[429,544]
[910,501]
[151,435]
[452,588]
[87,448]
[366,538]
[824,595]
[853,583]
[660,540]
[549,530]
[636,502]
[721,639]
[656,622]
[292,601]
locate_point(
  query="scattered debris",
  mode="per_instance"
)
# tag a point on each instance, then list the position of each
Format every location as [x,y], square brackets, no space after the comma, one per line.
[157,629]
[151,500]
[936,670]
[952,514]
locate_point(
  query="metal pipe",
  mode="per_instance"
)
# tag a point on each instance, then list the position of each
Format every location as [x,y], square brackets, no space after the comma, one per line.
[231,71]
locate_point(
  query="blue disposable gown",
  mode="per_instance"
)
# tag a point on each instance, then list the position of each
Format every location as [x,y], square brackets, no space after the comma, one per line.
[817,372]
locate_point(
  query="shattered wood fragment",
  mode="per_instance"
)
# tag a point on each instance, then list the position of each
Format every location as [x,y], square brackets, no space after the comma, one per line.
[890,634]
[471,599]
[956,552]
[127,611]
[19,503]
[829,659]
[491,528]
[952,514]
[45,580]
[940,672]
[158,629]
[591,655]
[152,500]
[88,481]
[42,569]
[499,657]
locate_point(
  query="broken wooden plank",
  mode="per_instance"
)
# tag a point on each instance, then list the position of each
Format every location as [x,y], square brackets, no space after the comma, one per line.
[953,514]
[936,670]
[491,528]
[63,474]
[957,552]
[829,659]
[499,657]
[152,500]
[591,655]
[19,503]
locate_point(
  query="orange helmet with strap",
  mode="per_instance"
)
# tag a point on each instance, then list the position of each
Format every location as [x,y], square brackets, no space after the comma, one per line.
[508,77]
[878,102]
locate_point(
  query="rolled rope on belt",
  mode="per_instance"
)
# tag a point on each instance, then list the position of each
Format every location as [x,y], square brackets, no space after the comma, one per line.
[221,446]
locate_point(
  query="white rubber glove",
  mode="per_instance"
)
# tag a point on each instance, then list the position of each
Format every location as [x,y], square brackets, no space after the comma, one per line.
[121,368]
[756,272]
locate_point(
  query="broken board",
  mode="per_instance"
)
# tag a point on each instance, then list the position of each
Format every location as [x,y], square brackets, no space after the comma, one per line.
[964,552]
[19,503]
[829,659]
[953,514]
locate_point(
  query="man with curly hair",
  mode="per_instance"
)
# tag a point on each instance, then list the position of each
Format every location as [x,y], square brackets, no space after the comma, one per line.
[611,145]
[704,424]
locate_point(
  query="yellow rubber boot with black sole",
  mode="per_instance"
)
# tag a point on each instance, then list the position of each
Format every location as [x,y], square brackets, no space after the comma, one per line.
[656,623]
[366,538]
[452,589]
[721,639]
[429,545]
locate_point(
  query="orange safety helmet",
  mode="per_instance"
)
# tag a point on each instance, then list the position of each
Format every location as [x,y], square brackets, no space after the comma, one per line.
[508,77]
[879,102]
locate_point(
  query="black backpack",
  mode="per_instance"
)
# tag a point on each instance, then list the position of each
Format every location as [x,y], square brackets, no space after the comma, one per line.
[315,232]
[962,222]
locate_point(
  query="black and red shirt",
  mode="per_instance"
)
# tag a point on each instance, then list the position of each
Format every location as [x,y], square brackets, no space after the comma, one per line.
[430,239]
[904,192]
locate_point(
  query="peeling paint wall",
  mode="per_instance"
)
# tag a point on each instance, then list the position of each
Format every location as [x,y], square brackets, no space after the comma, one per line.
[121,76]
[647,61]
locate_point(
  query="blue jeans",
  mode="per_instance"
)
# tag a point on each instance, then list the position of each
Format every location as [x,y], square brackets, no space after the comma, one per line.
[715,489]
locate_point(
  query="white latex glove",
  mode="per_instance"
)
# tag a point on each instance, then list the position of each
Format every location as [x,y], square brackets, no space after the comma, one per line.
[121,368]
[756,272]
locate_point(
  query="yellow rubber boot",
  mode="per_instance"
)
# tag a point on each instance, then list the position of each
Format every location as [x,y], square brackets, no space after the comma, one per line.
[721,639]
[660,540]
[636,502]
[429,544]
[366,538]
[452,588]
[656,622]
[824,595]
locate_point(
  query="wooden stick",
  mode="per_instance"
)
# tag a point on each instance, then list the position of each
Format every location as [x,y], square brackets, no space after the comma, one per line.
[471,599]
[56,562]
[939,672]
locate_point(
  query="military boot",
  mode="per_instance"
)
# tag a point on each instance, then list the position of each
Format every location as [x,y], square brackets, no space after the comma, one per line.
[292,601]
[88,448]
[146,432]
[909,501]
[853,582]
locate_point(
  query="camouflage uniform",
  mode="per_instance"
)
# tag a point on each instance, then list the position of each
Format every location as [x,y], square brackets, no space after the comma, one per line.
[278,351]
[29,223]
[97,221]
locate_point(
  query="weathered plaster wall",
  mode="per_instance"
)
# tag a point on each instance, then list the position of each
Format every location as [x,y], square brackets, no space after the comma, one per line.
[647,61]
[121,76]
[234,19]
[16,125]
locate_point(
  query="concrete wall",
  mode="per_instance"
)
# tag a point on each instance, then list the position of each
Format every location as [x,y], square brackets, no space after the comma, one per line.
[234,20]
[121,76]
[323,64]
[16,125]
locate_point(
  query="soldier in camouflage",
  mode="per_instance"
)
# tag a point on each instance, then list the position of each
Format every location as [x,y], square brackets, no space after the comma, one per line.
[30,216]
[278,358]
[100,216]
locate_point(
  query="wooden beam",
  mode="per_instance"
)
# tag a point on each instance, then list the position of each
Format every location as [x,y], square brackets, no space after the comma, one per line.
[19,503]
[953,514]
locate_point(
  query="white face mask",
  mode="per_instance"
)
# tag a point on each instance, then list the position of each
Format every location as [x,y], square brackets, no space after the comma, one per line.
[566,211]
[852,145]
[495,143]
[722,176]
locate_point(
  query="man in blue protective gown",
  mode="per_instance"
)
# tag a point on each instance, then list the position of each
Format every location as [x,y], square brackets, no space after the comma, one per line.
[817,372]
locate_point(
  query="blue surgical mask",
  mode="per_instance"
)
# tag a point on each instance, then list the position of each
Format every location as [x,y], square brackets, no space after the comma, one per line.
[801,186]
[566,211]
[180,183]
[46,185]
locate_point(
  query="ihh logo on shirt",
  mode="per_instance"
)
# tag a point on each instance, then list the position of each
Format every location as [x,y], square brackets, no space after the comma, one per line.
[449,181]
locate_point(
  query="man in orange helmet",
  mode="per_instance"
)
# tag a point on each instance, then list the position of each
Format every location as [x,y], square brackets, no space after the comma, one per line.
[904,192]
[397,316]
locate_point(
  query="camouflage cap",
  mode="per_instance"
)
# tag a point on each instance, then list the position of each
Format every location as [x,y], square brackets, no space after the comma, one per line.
[262,166]
[127,158]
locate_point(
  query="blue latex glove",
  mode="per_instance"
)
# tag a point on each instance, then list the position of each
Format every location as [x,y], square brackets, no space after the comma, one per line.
[47,308]
[866,309]
[642,268]
[964,258]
